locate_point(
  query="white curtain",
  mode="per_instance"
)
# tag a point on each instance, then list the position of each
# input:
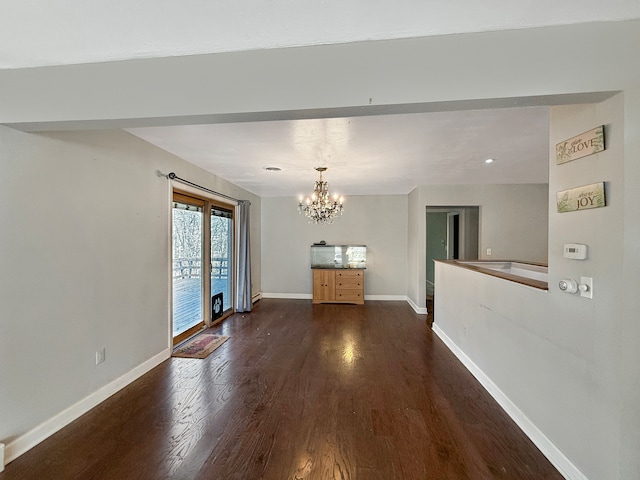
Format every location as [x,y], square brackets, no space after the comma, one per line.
[243,286]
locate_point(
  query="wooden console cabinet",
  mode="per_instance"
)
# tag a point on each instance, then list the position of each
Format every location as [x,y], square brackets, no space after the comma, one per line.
[338,286]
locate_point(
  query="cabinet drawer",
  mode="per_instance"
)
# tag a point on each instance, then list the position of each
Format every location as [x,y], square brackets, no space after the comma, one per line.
[349,274]
[349,283]
[349,295]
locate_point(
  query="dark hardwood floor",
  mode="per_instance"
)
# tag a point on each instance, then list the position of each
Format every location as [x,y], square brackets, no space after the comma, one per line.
[299,391]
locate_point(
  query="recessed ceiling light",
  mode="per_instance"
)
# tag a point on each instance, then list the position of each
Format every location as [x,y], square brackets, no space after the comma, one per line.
[272,169]
[489,160]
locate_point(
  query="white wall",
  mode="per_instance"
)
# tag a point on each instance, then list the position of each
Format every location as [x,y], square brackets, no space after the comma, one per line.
[537,66]
[629,332]
[513,222]
[414,243]
[380,222]
[557,356]
[590,329]
[85,265]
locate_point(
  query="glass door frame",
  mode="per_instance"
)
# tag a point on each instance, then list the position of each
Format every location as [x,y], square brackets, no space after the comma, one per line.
[231,261]
[207,202]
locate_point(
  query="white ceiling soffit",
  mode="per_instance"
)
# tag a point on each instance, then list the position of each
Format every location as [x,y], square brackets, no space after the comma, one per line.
[39,33]
[368,155]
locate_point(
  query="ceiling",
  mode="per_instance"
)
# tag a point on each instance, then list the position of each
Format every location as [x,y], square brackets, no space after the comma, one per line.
[385,154]
[368,155]
[39,33]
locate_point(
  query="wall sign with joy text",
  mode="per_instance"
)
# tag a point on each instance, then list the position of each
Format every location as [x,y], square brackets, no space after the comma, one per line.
[580,146]
[581,198]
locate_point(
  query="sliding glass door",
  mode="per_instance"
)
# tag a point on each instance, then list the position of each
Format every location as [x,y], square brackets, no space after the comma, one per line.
[221,260]
[187,240]
[202,263]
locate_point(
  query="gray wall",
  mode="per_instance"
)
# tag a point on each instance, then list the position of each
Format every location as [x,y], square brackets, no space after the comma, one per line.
[590,329]
[513,222]
[471,217]
[557,356]
[559,65]
[380,222]
[436,240]
[85,264]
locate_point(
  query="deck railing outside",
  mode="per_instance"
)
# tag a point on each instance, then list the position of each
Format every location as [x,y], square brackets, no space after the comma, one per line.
[187,293]
[192,267]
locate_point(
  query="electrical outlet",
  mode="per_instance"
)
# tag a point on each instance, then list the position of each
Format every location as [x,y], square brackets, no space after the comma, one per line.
[100,356]
[488,251]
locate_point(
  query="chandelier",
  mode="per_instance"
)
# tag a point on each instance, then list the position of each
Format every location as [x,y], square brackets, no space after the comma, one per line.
[320,207]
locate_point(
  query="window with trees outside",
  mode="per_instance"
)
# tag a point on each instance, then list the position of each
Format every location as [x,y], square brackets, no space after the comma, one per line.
[202,258]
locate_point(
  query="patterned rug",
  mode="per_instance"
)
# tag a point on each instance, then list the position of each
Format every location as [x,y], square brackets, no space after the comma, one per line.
[199,346]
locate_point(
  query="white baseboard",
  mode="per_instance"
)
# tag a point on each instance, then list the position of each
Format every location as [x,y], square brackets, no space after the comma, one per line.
[33,437]
[549,450]
[393,298]
[298,296]
[256,297]
[387,298]
[416,308]
[1,457]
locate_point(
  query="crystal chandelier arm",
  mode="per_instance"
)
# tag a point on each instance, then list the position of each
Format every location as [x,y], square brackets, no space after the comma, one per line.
[320,207]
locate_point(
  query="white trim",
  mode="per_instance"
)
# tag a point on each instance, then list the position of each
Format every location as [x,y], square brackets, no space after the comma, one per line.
[393,298]
[33,437]
[256,297]
[299,296]
[546,446]
[387,298]
[307,296]
[1,457]
[416,308]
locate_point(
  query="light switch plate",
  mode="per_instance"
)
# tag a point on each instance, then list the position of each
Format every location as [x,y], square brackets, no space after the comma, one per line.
[588,281]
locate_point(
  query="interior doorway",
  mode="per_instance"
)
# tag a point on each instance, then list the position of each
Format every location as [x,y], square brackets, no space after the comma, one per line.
[452,233]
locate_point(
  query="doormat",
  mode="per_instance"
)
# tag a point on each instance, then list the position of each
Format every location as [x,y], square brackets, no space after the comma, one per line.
[199,346]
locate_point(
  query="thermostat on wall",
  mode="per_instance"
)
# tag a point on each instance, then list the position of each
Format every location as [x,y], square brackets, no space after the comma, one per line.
[575,251]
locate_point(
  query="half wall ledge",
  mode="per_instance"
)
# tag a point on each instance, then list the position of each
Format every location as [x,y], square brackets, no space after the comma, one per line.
[533,275]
